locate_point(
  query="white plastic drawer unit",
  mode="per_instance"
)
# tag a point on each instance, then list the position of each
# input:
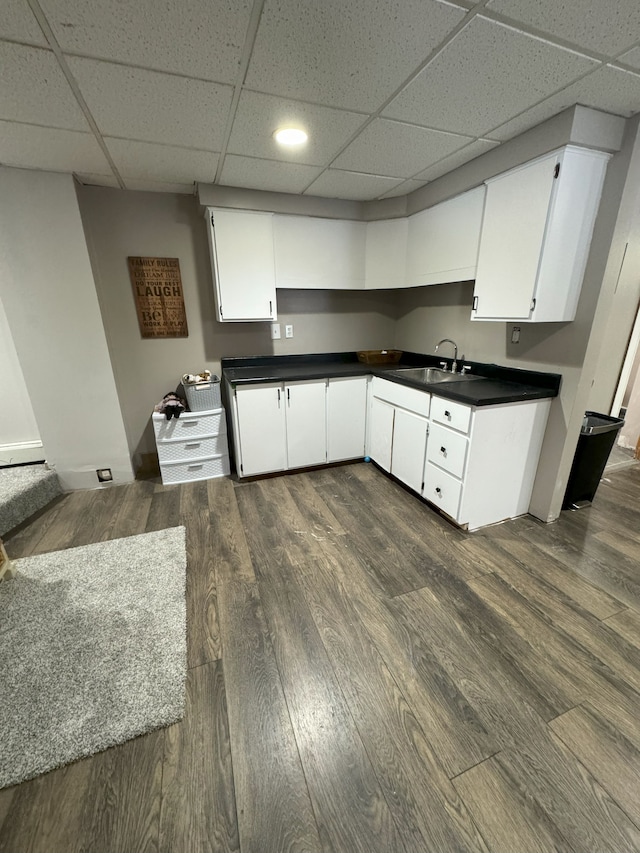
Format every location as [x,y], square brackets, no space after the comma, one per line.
[181,449]
[195,469]
[451,414]
[190,425]
[447,449]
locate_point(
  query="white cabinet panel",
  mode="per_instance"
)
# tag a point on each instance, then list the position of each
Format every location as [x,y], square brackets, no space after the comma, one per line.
[381,433]
[386,253]
[450,413]
[306,420]
[401,395]
[442,490]
[409,448]
[346,418]
[448,449]
[319,253]
[535,238]
[260,413]
[241,244]
[442,243]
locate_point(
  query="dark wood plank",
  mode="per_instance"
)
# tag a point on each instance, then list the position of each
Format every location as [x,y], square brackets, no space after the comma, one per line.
[198,803]
[52,531]
[109,802]
[605,752]
[272,800]
[165,508]
[133,513]
[98,516]
[24,539]
[627,624]
[509,818]
[203,632]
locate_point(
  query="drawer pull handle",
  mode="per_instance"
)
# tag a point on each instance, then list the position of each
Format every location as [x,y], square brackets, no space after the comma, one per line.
[194,467]
[192,444]
[188,423]
[447,414]
[443,450]
[438,490]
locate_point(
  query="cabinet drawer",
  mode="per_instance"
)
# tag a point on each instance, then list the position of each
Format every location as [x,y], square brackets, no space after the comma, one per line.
[190,425]
[442,490]
[447,448]
[401,396]
[182,450]
[455,415]
[196,469]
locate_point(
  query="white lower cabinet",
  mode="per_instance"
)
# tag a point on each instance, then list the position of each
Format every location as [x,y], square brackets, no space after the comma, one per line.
[409,448]
[279,426]
[381,432]
[346,418]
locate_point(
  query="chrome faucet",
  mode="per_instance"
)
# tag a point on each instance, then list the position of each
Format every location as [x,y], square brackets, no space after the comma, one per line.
[455,352]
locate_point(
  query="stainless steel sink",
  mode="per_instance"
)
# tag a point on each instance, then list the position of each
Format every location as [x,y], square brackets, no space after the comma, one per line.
[431,375]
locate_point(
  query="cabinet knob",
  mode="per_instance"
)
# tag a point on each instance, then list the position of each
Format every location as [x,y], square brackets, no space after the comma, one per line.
[443,450]
[438,490]
[447,414]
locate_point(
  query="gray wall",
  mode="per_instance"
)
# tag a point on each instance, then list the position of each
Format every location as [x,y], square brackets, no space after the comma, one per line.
[119,224]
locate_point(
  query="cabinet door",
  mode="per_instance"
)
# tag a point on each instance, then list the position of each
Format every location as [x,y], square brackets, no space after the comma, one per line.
[513,230]
[319,253]
[381,433]
[241,244]
[261,428]
[306,407]
[442,244]
[346,418]
[386,254]
[409,448]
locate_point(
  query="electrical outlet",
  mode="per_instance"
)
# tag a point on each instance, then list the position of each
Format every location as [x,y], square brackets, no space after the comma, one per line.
[275,331]
[515,335]
[104,475]
[288,331]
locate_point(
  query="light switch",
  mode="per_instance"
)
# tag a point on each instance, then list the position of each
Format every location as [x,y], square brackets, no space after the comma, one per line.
[288,331]
[275,331]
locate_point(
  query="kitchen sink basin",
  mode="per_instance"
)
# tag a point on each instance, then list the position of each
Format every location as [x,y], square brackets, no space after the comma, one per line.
[431,375]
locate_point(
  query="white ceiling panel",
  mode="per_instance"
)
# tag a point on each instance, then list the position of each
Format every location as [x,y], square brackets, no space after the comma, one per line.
[398,150]
[404,188]
[483,77]
[35,90]
[159,187]
[335,183]
[632,58]
[53,149]
[17,22]
[266,174]
[470,152]
[167,163]
[90,180]
[351,55]
[609,89]
[199,38]
[138,104]
[258,116]
[604,26]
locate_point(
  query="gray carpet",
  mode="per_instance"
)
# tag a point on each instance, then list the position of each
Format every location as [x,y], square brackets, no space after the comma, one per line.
[92,650]
[24,490]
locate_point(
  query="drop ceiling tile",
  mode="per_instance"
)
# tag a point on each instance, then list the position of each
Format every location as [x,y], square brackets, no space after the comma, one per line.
[137,104]
[610,89]
[167,163]
[394,149]
[52,149]
[159,187]
[266,174]
[470,152]
[200,38]
[599,25]
[351,55]
[404,188]
[487,74]
[334,183]
[34,89]
[631,58]
[18,23]
[89,180]
[258,116]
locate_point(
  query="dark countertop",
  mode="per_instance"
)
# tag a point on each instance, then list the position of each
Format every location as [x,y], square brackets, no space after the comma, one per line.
[497,385]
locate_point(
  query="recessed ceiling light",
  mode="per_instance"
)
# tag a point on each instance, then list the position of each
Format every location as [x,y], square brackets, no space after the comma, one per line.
[290,136]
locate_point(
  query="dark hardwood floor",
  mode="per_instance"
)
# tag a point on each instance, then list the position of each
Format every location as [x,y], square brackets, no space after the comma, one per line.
[365,677]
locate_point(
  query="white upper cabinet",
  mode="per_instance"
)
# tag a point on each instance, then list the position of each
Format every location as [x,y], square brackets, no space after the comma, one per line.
[386,254]
[241,244]
[312,252]
[536,231]
[442,243]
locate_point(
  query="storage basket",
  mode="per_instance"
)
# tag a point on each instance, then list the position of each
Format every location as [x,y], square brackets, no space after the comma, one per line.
[203,396]
[380,356]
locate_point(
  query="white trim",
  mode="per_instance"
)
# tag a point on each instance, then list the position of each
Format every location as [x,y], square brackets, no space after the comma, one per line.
[630,357]
[19,452]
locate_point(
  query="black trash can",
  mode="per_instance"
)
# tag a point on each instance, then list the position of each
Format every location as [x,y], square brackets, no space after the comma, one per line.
[597,437]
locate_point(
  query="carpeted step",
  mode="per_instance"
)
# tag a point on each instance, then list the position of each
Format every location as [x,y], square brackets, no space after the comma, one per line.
[24,490]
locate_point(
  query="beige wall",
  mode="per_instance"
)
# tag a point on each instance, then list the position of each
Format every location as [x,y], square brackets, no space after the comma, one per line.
[119,224]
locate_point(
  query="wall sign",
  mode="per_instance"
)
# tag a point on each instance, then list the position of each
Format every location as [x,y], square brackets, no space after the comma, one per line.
[157,290]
